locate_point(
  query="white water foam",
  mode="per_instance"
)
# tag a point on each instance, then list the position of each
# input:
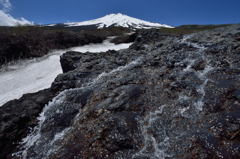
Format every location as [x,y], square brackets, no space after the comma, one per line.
[152,149]
[202,75]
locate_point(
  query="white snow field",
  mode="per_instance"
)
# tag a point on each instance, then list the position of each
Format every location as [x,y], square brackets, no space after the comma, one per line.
[34,75]
[118,20]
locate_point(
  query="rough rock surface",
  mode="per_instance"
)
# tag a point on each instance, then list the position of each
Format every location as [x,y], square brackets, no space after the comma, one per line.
[17,116]
[165,97]
[127,38]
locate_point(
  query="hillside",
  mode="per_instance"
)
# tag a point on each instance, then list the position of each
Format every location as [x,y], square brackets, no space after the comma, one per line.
[24,42]
[170,95]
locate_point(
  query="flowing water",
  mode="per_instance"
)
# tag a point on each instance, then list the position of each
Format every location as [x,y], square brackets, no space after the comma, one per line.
[202,75]
[159,137]
[44,147]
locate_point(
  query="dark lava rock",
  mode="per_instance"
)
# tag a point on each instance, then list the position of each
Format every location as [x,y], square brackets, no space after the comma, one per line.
[68,63]
[17,117]
[128,38]
[199,64]
[164,97]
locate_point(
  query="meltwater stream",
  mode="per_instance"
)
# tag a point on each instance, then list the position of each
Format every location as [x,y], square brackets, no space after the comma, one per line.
[158,144]
[201,74]
[160,126]
[34,75]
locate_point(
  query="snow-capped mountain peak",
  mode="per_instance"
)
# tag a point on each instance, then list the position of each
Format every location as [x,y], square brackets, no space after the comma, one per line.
[118,20]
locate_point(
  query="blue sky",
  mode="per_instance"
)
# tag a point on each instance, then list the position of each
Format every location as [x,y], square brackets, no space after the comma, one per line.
[171,12]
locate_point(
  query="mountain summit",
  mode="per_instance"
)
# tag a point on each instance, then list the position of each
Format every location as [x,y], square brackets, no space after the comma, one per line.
[118,20]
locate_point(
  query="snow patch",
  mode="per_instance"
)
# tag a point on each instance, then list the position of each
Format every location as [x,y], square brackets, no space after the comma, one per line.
[39,74]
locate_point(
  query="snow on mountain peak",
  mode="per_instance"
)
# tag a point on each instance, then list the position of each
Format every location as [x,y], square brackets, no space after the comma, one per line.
[119,20]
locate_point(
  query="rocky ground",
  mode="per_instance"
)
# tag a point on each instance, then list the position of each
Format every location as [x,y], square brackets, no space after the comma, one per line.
[167,96]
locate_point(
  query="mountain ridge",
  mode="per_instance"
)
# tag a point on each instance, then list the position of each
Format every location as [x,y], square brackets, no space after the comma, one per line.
[119,20]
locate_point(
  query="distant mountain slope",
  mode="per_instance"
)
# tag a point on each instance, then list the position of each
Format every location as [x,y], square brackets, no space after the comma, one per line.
[119,20]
